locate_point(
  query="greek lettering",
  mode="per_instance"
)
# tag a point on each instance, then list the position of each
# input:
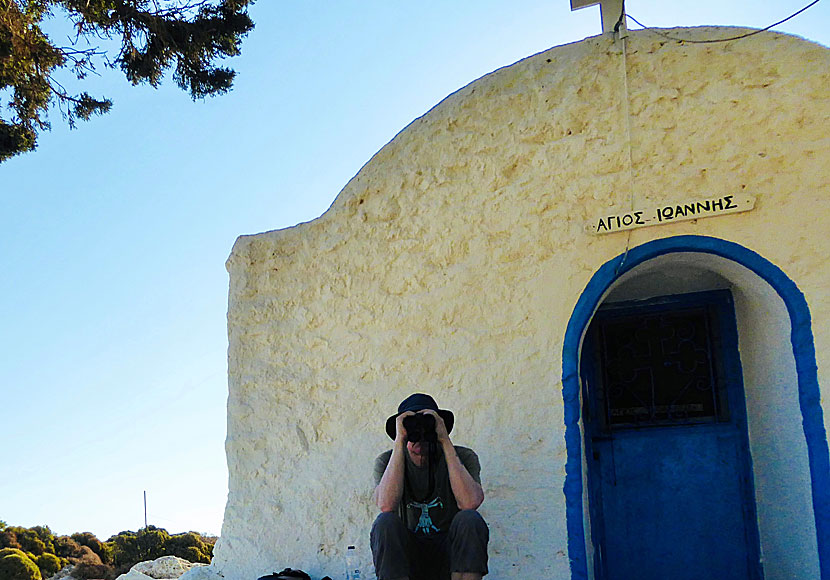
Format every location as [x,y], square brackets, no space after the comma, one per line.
[674,212]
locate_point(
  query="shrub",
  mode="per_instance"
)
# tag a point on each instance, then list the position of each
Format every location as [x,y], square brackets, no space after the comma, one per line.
[49,565]
[190,546]
[128,548]
[192,554]
[29,539]
[8,539]
[66,547]
[93,543]
[124,549]
[46,536]
[152,542]
[90,571]
[85,556]
[18,567]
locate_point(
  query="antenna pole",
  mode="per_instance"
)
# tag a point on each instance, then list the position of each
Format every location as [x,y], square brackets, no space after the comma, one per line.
[145,509]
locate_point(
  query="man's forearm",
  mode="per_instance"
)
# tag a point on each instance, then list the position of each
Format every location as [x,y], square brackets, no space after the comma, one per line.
[389,491]
[467,491]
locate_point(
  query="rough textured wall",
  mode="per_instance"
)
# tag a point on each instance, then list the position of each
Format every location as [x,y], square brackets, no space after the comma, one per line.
[451,263]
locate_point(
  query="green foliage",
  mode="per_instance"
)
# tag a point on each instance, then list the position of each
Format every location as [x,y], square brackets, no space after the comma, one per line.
[88,539]
[85,555]
[46,536]
[66,547]
[188,36]
[49,564]
[90,571]
[190,546]
[36,540]
[30,541]
[93,558]
[18,566]
[146,544]
[8,539]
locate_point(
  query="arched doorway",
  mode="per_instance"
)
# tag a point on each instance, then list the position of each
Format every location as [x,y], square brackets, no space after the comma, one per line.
[788,463]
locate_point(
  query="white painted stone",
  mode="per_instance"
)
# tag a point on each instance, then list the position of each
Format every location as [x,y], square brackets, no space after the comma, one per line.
[451,264]
[164,567]
[134,575]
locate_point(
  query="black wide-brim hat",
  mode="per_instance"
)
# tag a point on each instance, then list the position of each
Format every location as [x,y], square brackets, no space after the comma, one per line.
[415,403]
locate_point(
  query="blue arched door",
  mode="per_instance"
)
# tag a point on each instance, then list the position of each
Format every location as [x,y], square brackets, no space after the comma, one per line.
[669,470]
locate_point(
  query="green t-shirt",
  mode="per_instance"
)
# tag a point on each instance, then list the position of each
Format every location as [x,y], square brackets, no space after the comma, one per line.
[431,514]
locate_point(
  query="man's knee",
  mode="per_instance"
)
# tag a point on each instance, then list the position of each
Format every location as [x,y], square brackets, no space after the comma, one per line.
[469,537]
[468,521]
[386,521]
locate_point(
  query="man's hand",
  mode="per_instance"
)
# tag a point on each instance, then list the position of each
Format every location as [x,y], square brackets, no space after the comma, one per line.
[440,426]
[400,430]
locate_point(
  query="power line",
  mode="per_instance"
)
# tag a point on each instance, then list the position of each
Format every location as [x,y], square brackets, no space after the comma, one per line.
[753,33]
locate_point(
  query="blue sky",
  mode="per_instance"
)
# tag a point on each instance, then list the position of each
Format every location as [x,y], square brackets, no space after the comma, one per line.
[114,235]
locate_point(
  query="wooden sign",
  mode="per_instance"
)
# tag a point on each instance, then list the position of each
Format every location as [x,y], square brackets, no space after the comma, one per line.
[670,213]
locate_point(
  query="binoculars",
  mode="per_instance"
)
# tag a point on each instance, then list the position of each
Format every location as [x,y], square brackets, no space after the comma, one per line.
[420,428]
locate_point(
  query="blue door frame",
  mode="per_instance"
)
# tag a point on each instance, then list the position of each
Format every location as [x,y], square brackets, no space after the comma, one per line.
[806,370]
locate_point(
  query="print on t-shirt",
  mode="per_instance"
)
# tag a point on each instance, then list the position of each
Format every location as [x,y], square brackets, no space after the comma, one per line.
[425,525]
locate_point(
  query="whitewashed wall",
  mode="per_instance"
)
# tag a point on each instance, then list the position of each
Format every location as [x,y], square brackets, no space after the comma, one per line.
[451,264]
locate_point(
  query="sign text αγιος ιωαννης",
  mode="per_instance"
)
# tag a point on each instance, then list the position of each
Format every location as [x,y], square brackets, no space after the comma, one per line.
[673,212]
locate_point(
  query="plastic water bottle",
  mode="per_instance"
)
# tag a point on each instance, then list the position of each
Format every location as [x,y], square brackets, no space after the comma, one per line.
[352,566]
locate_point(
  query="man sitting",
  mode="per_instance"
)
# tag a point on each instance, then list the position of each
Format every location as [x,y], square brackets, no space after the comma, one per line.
[428,491]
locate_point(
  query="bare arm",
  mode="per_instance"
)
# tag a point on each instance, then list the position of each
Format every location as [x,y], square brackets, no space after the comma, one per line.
[389,491]
[467,491]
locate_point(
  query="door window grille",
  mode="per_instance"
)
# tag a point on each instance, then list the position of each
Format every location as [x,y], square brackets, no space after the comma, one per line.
[659,368]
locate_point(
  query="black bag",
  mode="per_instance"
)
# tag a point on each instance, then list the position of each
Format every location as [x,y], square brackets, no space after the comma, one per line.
[287,574]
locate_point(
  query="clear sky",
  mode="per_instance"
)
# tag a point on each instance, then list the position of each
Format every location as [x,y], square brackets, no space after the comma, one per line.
[114,235]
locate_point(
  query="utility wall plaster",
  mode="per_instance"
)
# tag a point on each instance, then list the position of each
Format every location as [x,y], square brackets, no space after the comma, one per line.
[452,261]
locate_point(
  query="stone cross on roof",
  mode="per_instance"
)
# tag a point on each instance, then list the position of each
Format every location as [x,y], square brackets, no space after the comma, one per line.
[610,11]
